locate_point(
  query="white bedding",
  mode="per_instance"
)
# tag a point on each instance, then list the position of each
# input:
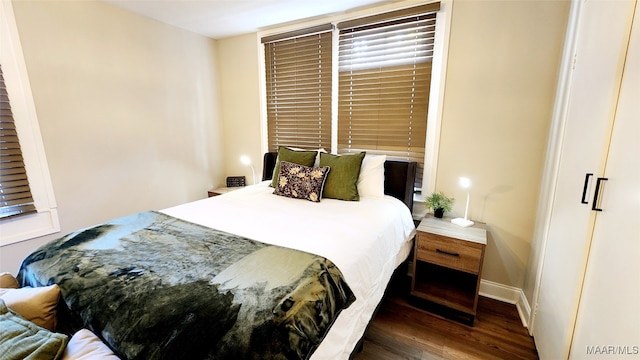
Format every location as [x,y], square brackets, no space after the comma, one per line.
[366,239]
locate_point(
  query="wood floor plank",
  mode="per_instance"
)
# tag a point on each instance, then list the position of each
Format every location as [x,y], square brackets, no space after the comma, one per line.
[401,330]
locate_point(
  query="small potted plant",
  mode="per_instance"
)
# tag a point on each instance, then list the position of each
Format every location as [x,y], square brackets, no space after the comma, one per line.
[439,202]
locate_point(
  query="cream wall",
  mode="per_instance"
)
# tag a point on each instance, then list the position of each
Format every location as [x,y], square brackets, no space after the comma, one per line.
[504,60]
[502,69]
[128,110]
[238,64]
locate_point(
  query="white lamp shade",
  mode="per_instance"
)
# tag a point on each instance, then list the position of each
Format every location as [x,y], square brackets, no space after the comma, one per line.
[245,160]
[464,182]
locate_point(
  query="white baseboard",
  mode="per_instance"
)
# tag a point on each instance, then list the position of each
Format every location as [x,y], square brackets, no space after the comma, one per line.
[508,294]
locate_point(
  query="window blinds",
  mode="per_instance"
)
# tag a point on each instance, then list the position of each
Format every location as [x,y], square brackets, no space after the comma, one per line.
[15,194]
[384,82]
[298,80]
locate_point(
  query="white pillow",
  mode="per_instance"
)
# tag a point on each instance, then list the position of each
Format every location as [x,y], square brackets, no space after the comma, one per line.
[371,180]
[84,345]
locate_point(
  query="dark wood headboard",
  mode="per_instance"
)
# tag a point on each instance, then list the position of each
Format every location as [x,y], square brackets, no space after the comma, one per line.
[399,177]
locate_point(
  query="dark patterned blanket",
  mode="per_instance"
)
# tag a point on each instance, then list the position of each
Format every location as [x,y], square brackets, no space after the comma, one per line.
[156,287]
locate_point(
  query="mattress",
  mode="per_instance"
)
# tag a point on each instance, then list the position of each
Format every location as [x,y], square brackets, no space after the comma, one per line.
[365,239]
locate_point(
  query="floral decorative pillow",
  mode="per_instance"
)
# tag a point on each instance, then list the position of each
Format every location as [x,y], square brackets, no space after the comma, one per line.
[301,182]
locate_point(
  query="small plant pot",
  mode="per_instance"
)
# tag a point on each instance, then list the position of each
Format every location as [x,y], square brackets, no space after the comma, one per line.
[439,213]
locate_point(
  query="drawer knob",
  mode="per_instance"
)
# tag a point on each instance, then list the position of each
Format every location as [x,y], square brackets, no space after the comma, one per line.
[447,252]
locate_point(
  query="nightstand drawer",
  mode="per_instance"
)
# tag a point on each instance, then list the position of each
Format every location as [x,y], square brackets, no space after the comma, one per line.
[448,252]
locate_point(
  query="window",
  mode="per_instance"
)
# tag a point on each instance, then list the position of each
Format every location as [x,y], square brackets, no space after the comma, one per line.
[298,77]
[385,64]
[15,193]
[381,100]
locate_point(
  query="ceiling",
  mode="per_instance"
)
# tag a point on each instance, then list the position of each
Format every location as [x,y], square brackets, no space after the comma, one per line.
[223,18]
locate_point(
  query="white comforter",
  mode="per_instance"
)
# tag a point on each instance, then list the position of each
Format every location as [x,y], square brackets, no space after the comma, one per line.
[366,239]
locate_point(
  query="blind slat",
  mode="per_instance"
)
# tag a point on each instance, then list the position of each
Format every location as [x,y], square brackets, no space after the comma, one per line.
[297,33]
[390,16]
[10,211]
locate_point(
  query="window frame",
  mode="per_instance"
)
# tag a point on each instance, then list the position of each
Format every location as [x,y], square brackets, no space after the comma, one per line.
[438,76]
[45,221]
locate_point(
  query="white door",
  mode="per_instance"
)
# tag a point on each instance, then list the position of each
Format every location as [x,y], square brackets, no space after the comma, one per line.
[601,41]
[608,323]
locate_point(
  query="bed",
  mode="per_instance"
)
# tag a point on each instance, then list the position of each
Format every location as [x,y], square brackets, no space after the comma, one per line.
[346,250]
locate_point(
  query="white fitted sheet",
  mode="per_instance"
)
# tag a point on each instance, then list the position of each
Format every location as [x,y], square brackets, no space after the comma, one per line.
[366,239]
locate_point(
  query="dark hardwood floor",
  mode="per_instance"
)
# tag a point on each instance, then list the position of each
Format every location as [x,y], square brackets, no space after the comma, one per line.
[401,331]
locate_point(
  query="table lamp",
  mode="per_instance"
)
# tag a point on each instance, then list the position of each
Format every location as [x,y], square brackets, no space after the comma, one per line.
[465,183]
[245,160]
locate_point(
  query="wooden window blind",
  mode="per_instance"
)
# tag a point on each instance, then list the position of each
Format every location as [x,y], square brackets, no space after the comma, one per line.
[298,80]
[15,194]
[384,65]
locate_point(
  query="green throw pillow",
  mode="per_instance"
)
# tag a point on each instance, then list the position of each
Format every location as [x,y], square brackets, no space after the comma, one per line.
[305,158]
[22,339]
[342,181]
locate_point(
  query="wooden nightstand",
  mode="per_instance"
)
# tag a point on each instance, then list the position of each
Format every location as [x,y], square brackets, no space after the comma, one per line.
[447,264]
[222,190]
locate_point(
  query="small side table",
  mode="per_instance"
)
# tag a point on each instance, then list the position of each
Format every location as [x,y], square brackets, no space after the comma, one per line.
[222,190]
[447,264]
